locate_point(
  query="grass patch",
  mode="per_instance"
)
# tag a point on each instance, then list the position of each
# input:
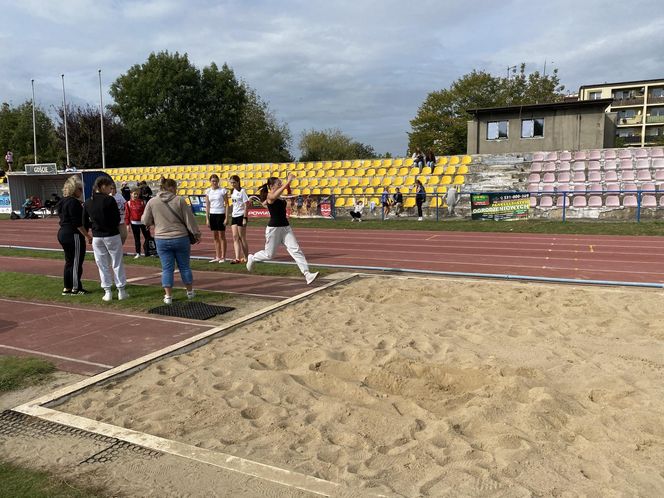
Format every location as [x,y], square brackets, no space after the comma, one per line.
[18,482]
[18,372]
[31,287]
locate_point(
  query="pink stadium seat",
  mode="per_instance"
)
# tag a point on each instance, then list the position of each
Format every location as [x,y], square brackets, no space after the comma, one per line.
[550,166]
[629,187]
[640,153]
[595,155]
[562,199]
[565,156]
[624,153]
[538,156]
[628,175]
[564,176]
[533,188]
[595,201]
[552,156]
[657,152]
[611,176]
[648,187]
[642,163]
[659,175]
[610,154]
[563,166]
[626,164]
[594,166]
[612,187]
[609,165]
[580,155]
[658,163]
[546,201]
[629,201]
[547,187]
[595,188]
[579,176]
[643,175]
[579,166]
[535,167]
[564,187]
[579,201]
[533,201]
[661,201]
[594,176]
[648,201]
[534,178]
[549,178]
[612,201]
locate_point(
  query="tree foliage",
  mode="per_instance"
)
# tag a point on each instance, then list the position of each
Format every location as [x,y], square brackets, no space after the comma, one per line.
[440,123]
[332,145]
[16,134]
[175,113]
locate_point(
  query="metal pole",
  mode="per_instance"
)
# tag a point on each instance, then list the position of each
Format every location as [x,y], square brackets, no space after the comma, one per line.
[64,110]
[34,125]
[101,119]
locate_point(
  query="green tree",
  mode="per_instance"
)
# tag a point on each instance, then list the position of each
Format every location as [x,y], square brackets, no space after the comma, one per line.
[84,136]
[16,134]
[332,145]
[440,123]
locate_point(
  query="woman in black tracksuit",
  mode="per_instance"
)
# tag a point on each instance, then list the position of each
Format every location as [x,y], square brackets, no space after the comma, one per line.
[72,235]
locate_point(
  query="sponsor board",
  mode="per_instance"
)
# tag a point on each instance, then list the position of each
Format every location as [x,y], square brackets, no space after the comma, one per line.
[499,206]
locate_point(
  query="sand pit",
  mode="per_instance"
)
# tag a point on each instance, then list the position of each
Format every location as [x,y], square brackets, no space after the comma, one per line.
[407,386]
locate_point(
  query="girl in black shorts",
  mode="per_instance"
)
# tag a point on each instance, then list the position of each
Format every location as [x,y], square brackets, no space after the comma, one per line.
[215,217]
[239,218]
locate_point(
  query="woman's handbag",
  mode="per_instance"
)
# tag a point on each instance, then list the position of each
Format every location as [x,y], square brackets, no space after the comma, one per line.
[192,237]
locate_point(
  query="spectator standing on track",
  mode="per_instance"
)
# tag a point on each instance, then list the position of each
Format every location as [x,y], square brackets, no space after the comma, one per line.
[215,217]
[451,198]
[120,201]
[101,213]
[72,235]
[420,198]
[173,219]
[134,210]
[278,231]
[146,191]
[239,220]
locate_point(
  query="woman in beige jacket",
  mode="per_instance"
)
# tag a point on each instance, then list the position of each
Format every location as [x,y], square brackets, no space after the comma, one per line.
[172,219]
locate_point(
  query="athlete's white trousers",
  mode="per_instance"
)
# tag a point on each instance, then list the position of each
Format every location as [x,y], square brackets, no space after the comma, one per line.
[276,236]
[108,256]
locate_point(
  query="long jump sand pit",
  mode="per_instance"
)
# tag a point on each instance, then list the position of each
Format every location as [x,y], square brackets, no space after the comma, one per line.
[411,386]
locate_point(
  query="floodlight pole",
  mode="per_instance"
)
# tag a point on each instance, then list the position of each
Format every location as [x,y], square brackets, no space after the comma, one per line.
[101,119]
[34,125]
[64,110]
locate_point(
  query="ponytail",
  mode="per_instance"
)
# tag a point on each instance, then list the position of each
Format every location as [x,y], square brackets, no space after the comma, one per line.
[262,192]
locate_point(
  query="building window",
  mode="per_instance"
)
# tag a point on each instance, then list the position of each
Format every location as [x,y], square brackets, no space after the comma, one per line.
[657,111]
[532,128]
[657,92]
[495,130]
[594,95]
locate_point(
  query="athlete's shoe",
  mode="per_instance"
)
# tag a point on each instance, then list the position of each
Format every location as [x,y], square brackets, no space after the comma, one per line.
[310,277]
[250,262]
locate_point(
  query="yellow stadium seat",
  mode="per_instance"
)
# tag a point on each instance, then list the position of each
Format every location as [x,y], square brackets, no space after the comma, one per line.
[313,182]
[326,191]
[295,183]
[375,181]
[397,181]
[425,171]
[360,172]
[463,170]
[343,182]
[306,191]
[347,191]
[386,181]
[346,164]
[296,191]
[454,160]
[364,182]
[381,172]
[339,202]
[357,163]
[441,160]
[370,172]
[311,173]
[403,172]
[410,180]
[397,163]
[388,163]
[333,182]
[377,163]
[434,201]
[433,180]
[409,202]
[309,166]
[391,172]
[458,180]
[350,172]
[323,182]
[329,173]
[446,180]
[315,191]
[438,170]
[354,182]
[369,190]
[358,190]
[466,160]
[408,162]
[336,191]
[320,173]
[450,170]
[304,183]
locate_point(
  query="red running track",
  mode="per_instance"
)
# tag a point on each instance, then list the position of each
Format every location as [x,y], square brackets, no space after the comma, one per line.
[597,257]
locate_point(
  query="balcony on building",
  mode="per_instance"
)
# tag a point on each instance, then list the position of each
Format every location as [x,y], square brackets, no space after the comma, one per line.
[628,97]
[656,95]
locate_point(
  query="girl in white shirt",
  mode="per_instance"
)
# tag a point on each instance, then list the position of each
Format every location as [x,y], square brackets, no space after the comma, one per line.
[215,217]
[239,218]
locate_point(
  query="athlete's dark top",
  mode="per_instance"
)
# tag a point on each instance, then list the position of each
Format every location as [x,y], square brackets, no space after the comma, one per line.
[277,214]
[70,212]
[101,213]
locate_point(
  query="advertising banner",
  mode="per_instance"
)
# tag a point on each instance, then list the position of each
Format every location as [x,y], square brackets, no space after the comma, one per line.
[500,206]
[5,200]
[197,203]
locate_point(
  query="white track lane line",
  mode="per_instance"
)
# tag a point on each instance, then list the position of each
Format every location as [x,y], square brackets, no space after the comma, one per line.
[41,353]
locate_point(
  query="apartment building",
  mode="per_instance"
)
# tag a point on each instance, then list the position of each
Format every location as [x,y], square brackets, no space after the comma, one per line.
[639,106]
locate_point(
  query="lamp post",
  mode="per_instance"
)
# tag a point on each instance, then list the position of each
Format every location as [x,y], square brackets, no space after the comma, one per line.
[509,90]
[34,125]
[101,119]
[64,110]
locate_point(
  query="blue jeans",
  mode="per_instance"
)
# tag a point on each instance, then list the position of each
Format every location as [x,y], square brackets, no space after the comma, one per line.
[170,251]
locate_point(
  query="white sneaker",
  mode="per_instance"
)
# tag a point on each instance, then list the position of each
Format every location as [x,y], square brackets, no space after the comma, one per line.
[191,294]
[250,262]
[419,219]
[215,260]
[122,294]
[137,256]
[310,277]
[168,299]
[108,295]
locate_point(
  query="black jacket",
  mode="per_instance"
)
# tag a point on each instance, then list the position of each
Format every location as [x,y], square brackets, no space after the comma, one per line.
[101,213]
[70,212]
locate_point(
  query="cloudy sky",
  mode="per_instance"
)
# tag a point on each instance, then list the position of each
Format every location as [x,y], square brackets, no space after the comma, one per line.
[362,66]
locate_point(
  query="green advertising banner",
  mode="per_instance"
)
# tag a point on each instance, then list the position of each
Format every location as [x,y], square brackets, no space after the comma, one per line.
[500,206]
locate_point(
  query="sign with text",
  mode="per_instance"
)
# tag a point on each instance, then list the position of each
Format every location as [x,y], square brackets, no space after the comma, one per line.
[41,169]
[500,206]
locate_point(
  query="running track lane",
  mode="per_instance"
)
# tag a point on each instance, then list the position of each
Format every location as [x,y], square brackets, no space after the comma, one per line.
[597,257]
